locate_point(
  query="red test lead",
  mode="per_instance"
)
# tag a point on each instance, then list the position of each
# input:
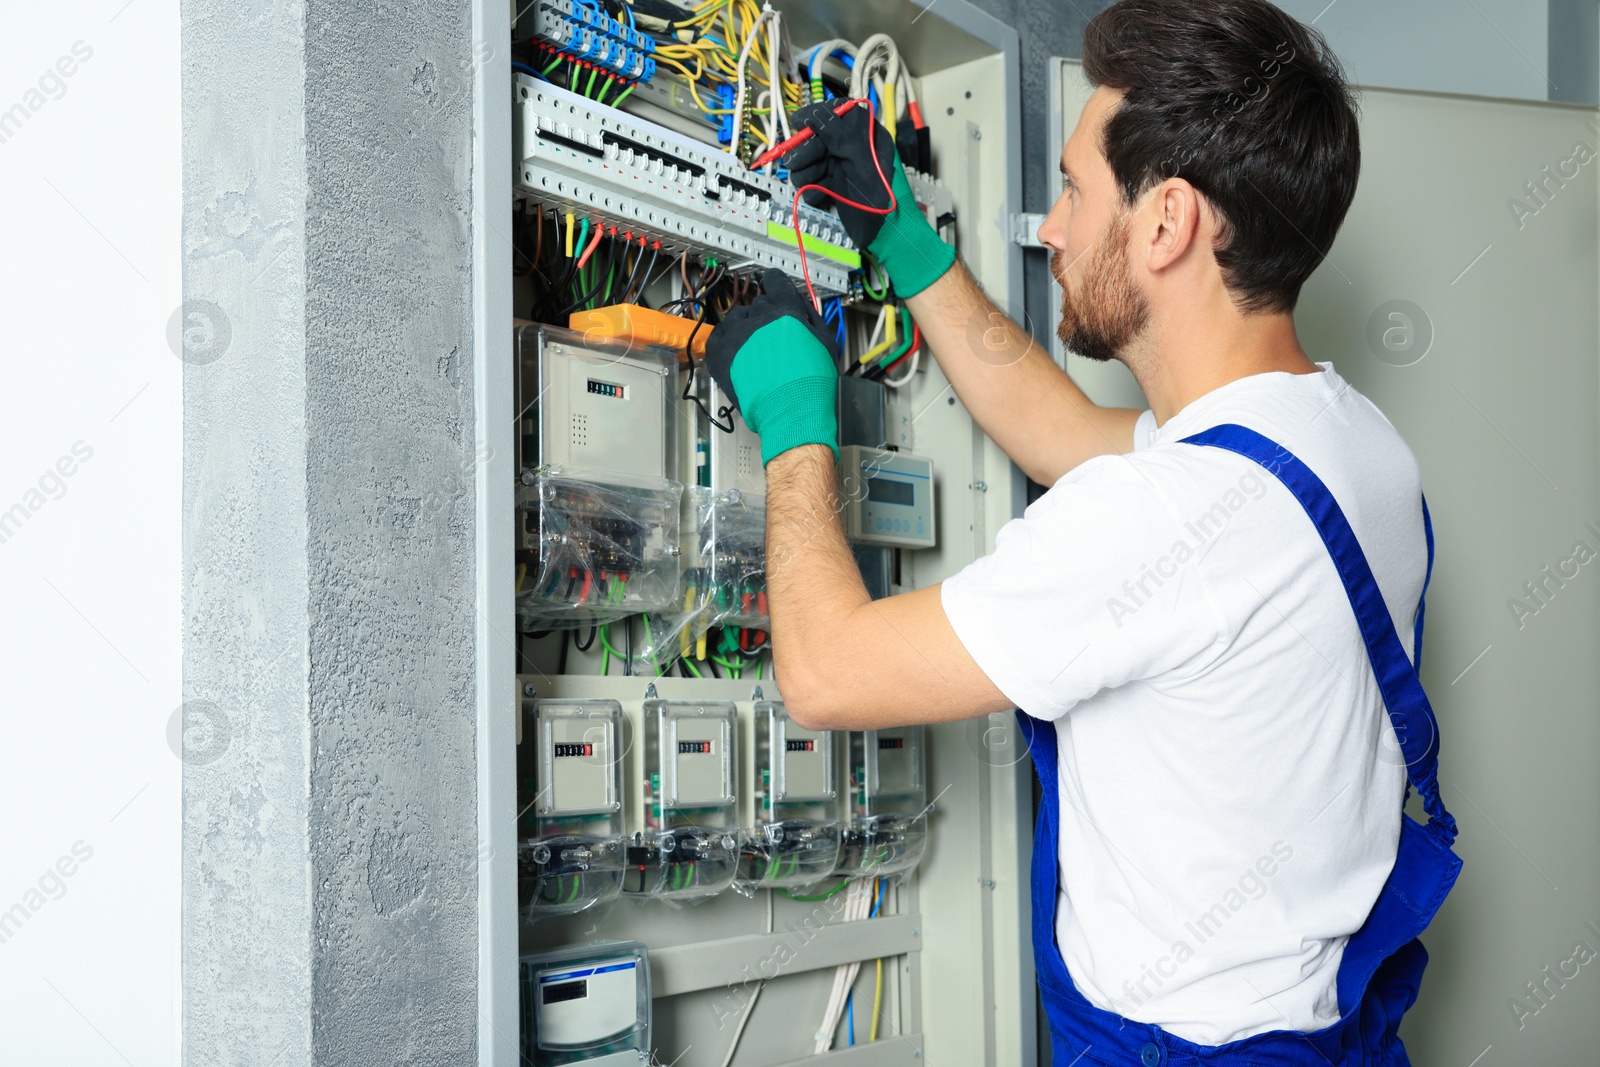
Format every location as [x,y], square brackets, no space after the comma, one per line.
[789,144]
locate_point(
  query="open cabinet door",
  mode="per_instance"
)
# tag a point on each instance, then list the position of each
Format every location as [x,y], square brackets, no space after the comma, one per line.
[1460,297]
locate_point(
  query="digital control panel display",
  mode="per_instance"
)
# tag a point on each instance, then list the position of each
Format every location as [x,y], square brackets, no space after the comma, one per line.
[891,491]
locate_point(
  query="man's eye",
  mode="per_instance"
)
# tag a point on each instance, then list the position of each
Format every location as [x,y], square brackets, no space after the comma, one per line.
[1066,184]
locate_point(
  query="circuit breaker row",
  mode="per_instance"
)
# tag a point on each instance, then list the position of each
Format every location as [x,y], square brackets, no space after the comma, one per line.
[825,804]
[661,185]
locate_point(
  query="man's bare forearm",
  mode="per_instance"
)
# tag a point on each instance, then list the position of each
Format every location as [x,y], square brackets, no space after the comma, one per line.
[844,661]
[1011,386]
[812,580]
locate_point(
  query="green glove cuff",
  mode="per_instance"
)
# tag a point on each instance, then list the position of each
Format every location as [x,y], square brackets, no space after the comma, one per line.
[800,412]
[788,388]
[908,248]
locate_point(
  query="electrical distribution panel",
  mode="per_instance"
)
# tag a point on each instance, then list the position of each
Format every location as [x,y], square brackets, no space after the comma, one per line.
[570,857]
[652,771]
[587,1005]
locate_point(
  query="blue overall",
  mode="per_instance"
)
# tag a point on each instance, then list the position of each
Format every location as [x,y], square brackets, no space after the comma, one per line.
[1383,960]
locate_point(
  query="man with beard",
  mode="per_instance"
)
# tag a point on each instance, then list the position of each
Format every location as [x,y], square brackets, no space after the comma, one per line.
[1210,618]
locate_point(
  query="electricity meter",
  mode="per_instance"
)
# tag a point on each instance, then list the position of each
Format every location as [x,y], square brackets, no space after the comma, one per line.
[888,830]
[733,562]
[691,839]
[795,841]
[571,849]
[589,1004]
[599,510]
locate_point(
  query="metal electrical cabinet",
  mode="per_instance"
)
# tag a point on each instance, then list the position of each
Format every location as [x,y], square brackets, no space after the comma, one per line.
[667,851]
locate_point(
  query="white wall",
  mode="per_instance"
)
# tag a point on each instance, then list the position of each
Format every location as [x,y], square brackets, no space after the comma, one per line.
[1485,47]
[89,579]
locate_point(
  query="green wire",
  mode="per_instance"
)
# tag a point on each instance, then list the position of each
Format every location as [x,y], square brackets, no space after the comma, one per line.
[605,650]
[618,101]
[758,667]
[605,87]
[693,669]
[588,90]
[880,297]
[554,63]
[823,896]
[572,86]
[905,346]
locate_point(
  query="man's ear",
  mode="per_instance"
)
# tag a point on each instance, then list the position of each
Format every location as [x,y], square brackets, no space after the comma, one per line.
[1175,214]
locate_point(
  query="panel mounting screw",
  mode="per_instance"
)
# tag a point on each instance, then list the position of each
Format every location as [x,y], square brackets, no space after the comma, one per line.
[528,690]
[982,487]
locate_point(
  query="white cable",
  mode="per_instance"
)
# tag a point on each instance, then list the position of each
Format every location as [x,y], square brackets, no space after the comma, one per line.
[738,1032]
[744,57]
[857,906]
[775,74]
[911,372]
[750,1008]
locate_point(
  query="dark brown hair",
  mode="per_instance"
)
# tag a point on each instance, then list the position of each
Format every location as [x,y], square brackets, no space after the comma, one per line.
[1251,108]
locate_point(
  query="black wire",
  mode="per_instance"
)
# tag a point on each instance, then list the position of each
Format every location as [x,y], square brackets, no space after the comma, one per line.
[599,280]
[587,645]
[627,646]
[561,660]
[688,382]
[633,276]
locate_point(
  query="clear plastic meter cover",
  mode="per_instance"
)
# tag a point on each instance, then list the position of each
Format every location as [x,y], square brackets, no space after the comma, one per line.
[584,1003]
[598,497]
[570,855]
[732,576]
[795,840]
[888,830]
[690,846]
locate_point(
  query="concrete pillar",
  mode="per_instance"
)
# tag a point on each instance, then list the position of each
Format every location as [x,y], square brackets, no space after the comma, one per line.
[330,830]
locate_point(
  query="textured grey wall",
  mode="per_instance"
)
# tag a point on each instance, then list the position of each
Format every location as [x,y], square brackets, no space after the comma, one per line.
[330,846]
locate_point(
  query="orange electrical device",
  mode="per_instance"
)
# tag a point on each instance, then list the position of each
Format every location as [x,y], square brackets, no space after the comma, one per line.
[630,322]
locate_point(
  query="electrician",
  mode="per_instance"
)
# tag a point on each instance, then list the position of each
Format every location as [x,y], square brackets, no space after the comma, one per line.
[1209,621]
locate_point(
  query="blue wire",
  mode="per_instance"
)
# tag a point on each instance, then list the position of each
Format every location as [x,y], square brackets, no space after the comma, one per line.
[882,886]
[850,1007]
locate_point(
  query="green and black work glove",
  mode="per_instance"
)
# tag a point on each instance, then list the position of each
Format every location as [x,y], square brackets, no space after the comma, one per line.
[836,158]
[775,359]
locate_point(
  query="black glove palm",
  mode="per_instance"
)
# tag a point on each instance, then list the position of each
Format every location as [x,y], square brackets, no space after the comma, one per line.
[779,299]
[836,158]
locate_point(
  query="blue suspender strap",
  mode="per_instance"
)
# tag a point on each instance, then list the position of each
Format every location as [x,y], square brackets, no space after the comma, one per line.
[1422,599]
[1409,710]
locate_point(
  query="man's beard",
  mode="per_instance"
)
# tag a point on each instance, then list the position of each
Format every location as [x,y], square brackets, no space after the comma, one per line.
[1109,311]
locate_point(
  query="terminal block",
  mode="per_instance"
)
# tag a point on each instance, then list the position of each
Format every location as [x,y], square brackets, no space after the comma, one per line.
[627,172]
[570,847]
[888,829]
[582,31]
[690,846]
[795,840]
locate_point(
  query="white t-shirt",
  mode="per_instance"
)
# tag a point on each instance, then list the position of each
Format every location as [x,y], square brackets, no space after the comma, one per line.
[1230,785]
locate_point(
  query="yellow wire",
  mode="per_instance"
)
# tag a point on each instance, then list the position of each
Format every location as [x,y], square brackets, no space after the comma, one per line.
[877,999]
[890,328]
[888,108]
[570,228]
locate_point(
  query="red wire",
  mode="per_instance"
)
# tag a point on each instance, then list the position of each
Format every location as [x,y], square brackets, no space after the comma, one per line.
[916,343]
[799,238]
